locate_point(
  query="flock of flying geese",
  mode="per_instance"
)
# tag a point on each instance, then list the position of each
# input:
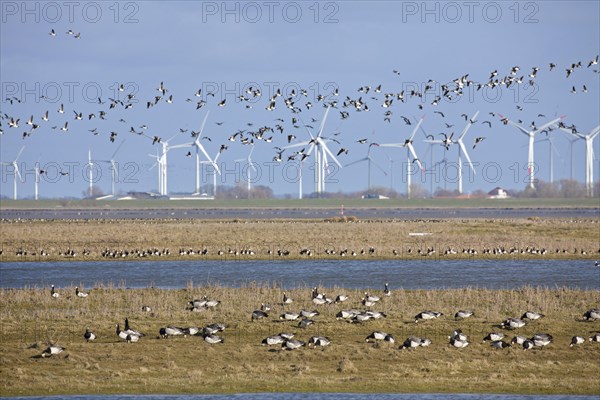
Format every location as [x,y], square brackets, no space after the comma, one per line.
[295,101]
[287,340]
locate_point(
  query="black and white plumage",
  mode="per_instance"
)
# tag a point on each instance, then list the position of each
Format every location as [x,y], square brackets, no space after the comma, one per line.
[519,340]
[259,314]
[213,339]
[89,336]
[146,309]
[340,298]
[427,315]
[289,316]
[378,336]
[386,290]
[513,323]
[292,344]
[52,350]
[592,315]
[413,342]
[458,343]
[305,323]
[575,340]
[131,331]
[319,341]
[286,299]
[532,315]
[494,336]
[79,293]
[457,334]
[272,340]
[541,339]
[54,293]
[170,331]
[462,314]
[595,337]
[500,344]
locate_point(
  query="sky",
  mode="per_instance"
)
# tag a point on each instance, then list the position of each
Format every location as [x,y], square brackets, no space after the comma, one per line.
[224,48]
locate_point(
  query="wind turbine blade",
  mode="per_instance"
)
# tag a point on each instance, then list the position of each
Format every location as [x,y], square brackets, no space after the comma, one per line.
[16,168]
[554,121]
[464,150]
[416,128]
[290,146]
[330,153]
[356,162]
[464,132]
[202,127]
[414,155]
[392,145]
[323,121]
[519,127]
[19,155]
[378,166]
[117,150]
[594,132]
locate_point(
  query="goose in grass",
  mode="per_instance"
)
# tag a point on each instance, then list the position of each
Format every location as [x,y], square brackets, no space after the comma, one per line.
[513,323]
[197,303]
[413,342]
[592,315]
[386,290]
[575,340]
[319,300]
[541,339]
[458,343]
[272,340]
[457,334]
[213,339]
[376,314]
[52,350]
[378,335]
[292,344]
[128,337]
[347,314]
[79,293]
[89,336]
[170,331]
[367,303]
[462,314]
[518,340]
[210,303]
[319,341]
[54,293]
[427,315]
[265,307]
[308,313]
[130,331]
[305,323]
[286,299]
[361,317]
[493,336]
[213,328]
[191,331]
[340,298]
[500,344]
[371,298]
[595,337]
[289,316]
[259,314]
[532,315]
[527,345]
[146,309]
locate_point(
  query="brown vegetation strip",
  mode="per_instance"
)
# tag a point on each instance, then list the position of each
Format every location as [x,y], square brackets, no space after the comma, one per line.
[555,238]
[28,318]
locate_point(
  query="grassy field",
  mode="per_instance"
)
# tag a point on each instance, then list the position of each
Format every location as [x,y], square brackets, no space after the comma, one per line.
[304,203]
[389,238]
[29,318]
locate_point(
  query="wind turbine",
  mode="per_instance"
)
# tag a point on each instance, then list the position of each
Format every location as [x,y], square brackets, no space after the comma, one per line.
[36,182]
[162,164]
[15,172]
[91,167]
[589,156]
[410,152]
[113,168]
[531,134]
[248,170]
[214,172]
[319,144]
[552,149]
[369,160]
[158,165]
[199,148]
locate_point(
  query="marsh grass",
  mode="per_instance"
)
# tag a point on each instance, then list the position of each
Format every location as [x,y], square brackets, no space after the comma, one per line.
[30,317]
[573,238]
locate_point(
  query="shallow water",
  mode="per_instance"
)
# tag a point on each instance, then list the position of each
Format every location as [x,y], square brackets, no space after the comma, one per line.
[323,396]
[352,274]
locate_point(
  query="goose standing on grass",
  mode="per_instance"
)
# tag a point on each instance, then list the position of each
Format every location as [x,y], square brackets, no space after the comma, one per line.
[595,337]
[458,343]
[132,339]
[527,345]
[427,315]
[378,335]
[513,323]
[259,314]
[292,344]
[130,331]
[519,340]
[411,343]
[532,315]
[286,299]
[462,314]
[317,341]
[79,293]
[170,331]
[213,339]
[457,334]
[128,337]
[54,293]
[386,290]
[272,340]
[541,339]
[494,337]
[89,336]
[500,344]
[340,298]
[289,316]
[592,315]
[305,323]
[577,340]
[52,350]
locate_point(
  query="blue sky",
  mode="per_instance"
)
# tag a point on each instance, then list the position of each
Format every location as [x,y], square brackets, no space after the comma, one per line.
[227,46]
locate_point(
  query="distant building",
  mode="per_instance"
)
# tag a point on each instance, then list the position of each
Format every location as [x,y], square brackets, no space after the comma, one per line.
[498,193]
